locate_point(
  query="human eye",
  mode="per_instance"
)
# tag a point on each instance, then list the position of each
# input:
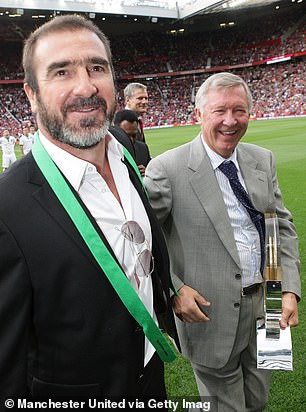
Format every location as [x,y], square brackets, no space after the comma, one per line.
[61,73]
[218,111]
[97,68]
[57,70]
[241,110]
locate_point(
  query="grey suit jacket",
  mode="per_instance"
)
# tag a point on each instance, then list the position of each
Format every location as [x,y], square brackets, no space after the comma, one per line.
[186,197]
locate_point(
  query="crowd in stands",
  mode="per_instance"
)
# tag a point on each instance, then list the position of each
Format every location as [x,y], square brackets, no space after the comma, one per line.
[14,109]
[160,52]
[278,89]
[140,53]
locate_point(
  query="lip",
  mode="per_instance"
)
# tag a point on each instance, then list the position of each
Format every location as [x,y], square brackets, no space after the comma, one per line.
[229,137]
[85,111]
[228,132]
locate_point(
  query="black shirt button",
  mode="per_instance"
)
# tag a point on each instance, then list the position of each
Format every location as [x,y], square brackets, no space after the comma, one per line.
[236,305]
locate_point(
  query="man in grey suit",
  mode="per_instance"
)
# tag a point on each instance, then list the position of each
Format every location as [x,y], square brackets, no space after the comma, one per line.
[216,249]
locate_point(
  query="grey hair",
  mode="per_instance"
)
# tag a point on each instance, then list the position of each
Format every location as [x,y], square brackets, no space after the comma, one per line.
[221,80]
[130,89]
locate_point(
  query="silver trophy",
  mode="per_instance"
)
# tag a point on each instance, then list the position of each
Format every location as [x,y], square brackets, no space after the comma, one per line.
[274,345]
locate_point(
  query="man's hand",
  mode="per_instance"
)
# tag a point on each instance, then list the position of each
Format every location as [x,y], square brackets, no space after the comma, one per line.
[142,170]
[186,305]
[289,310]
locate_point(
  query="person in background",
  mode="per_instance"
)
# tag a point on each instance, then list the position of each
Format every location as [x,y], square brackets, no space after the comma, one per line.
[128,121]
[65,332]
[136,99]
[33,132]
[7,143]
[210,196]
[26,141]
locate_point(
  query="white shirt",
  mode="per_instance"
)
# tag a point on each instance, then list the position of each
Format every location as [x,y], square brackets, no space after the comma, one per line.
[26,142]
[109,214]
[7,145]
[245,233]
[33,136]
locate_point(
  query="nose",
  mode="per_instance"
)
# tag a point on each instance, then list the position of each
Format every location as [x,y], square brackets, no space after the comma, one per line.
[229,118]
[84,84]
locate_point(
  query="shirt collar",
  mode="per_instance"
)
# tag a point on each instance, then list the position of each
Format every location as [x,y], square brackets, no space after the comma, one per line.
[216,159]
[73,167]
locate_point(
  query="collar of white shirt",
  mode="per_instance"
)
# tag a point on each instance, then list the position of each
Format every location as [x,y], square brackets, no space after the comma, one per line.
[71,166]
[216,160]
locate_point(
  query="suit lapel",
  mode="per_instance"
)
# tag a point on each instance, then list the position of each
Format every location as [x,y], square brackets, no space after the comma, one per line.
[205,186]
[45,196]
[256,180]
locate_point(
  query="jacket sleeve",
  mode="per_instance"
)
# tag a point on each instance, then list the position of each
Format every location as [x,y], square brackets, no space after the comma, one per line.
[15,317]
[160,194]
[159,189]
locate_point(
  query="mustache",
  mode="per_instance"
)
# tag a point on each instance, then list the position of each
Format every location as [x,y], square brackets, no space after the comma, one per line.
[84,102]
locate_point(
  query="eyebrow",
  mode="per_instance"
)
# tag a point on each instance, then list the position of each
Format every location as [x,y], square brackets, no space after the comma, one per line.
[64,63]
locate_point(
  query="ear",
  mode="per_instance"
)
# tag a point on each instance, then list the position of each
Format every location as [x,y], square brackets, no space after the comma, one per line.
[198,114]
[31,96]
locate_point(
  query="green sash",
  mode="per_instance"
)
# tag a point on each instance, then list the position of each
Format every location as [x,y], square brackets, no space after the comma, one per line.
[100,252]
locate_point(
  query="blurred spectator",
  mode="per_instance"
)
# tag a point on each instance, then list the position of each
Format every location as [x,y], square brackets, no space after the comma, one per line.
[26,141]
[136,99]
[128,121]
[7,143]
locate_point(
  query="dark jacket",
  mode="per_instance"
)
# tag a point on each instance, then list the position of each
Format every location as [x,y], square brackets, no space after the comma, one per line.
[64,331]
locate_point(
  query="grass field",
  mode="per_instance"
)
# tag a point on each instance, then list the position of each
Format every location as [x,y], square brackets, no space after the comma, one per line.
[287,140]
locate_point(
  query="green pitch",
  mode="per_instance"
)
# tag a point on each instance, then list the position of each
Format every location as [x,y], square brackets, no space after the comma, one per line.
[287,140]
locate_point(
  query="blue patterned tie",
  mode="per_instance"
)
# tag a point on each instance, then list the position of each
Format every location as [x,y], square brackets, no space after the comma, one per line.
[230,171]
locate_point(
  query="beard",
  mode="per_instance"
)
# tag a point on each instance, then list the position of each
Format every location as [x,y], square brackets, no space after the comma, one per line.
[87,133]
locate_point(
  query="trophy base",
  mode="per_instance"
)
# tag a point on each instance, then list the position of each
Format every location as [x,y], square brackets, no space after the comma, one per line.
[273,354]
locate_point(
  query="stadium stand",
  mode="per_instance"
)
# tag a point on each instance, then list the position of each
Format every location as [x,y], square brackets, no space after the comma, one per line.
[173,67]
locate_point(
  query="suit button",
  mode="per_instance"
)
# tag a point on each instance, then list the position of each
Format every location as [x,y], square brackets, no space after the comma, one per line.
[237,276]
[236,305]
[138,329]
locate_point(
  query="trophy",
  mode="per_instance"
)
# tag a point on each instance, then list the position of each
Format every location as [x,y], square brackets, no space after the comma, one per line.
[274,345]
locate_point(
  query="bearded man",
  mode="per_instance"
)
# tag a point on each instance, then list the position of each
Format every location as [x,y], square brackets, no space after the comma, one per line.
[86,228]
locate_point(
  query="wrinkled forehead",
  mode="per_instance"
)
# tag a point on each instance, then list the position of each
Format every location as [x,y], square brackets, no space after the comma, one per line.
[77,45]
[139,93]
[218,95]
